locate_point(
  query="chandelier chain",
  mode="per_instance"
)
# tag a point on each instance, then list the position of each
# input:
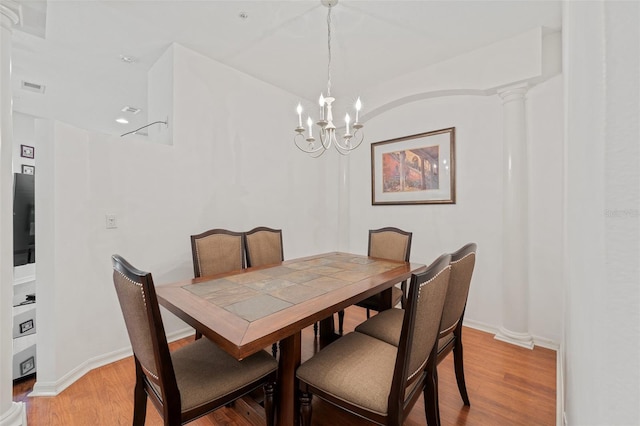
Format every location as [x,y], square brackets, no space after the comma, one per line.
[329,46]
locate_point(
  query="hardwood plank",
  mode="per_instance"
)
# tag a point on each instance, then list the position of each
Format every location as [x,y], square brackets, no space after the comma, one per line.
[507,385]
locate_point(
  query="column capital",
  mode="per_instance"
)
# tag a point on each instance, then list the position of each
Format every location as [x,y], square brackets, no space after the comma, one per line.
[10,13]
[513,93]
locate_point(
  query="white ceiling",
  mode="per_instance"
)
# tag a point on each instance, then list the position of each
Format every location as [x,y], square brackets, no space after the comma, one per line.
[74,47]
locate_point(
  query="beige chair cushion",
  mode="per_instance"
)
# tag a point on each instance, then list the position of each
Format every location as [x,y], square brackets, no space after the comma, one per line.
[374,302]
[386,326]
[202,363]
[356,368]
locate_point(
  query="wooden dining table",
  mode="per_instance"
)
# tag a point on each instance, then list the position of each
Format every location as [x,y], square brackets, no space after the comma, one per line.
[248,310]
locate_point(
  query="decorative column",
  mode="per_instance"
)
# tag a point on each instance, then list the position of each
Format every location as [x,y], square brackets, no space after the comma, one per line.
[11,413]
[515,240]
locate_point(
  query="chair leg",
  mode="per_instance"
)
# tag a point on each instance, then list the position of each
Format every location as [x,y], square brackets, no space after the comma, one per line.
[369,313]
[274,349]
[315,329]
[198,335]
[459,368]
[305,408]
[431,404]
[269,406]
[341,322]
[139,399]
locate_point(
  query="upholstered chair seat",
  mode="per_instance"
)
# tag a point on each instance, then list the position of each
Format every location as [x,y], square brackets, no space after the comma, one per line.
[202,363]
[359,370]
[191,381]
[376,380]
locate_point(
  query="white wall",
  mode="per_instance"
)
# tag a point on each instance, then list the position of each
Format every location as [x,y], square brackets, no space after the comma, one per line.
[477,214]
[602,303]
[232,165]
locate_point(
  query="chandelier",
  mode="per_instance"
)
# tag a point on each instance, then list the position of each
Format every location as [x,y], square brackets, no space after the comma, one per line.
[326,129]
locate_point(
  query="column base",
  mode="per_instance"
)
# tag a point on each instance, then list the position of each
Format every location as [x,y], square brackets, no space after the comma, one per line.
[519,339]
[16,416]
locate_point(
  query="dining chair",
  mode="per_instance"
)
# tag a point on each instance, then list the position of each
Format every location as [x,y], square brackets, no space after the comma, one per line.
[385,243]
[263,246]
[216,251]
[374,379]
[386,325]
[191,381]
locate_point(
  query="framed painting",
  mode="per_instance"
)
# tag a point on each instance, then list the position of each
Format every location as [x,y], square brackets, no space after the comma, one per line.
[416,169]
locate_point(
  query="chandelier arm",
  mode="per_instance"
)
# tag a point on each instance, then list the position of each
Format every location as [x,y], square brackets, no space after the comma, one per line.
[355,136]
[325,138]
[308,151]
[319,155]
[351,147]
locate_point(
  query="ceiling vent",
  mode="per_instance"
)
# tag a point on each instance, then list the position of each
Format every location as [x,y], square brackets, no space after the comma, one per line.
[32,87]
[132,110]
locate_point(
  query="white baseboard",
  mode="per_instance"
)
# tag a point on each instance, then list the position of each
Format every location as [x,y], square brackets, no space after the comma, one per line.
[537,341]
[519,339]
[15,416]
[561,417]
[54,388]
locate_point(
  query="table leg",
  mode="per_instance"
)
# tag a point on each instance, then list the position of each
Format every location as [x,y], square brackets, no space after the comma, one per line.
[288,405]
[327,331]
[386,302]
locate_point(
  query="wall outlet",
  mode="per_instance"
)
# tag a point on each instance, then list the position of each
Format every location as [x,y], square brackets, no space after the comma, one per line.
[111,221]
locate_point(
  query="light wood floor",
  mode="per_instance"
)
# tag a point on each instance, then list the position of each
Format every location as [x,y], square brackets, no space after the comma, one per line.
[507,385]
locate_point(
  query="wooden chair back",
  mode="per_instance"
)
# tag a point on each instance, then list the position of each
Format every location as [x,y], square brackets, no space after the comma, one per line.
[462,264]
[417,350]
[390,243]
[139,304]
[263,246]
[217,251]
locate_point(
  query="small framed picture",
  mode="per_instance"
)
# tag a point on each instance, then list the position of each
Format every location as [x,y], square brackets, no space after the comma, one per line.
[27,151]
[27,365]
[28,170]
[26,326]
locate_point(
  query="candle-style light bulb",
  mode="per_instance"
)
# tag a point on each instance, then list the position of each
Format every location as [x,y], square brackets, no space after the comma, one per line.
[310,124]
[358,107]
[347,119]
[299,110]
[321,103]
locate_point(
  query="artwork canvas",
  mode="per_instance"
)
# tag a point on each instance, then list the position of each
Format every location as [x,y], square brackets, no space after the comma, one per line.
[417,169]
